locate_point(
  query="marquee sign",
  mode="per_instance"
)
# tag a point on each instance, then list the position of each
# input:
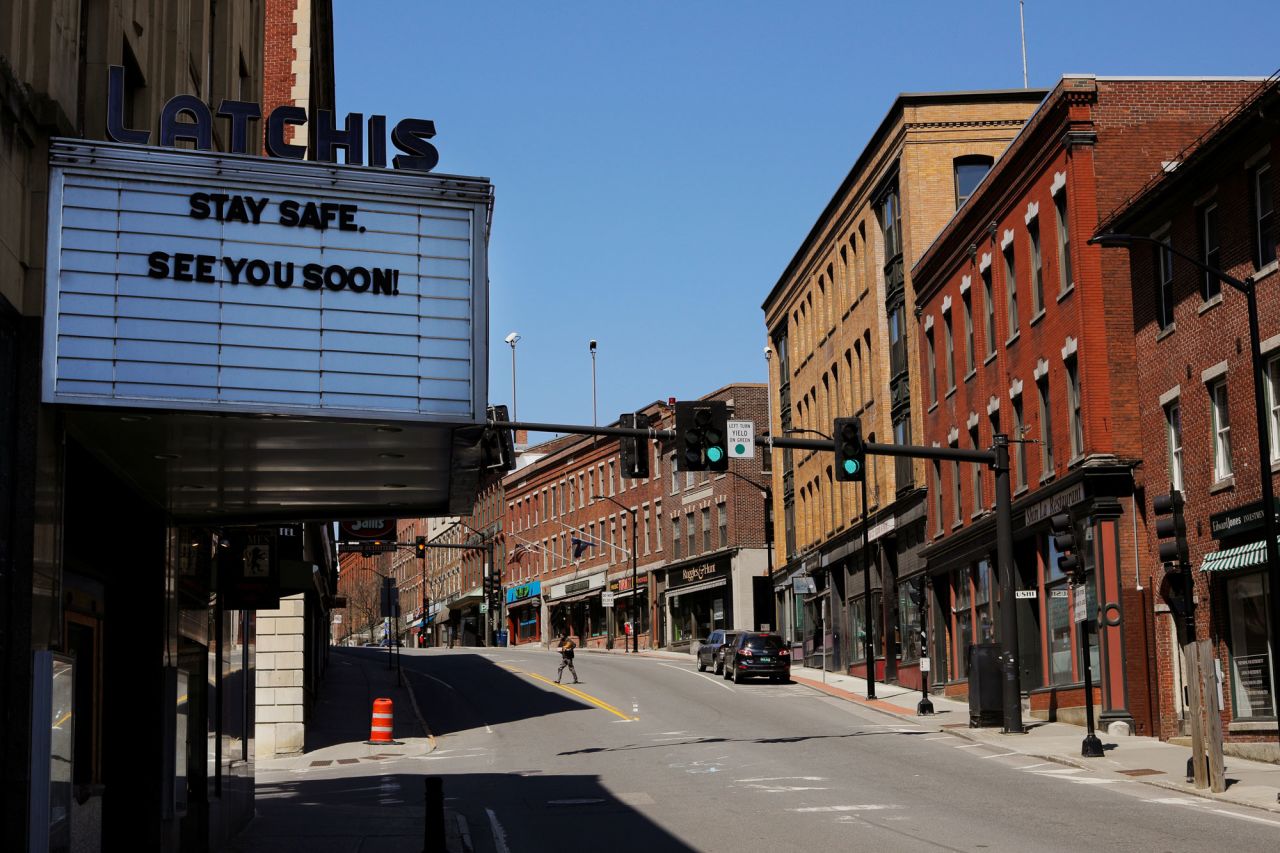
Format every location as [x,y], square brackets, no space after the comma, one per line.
[193,280]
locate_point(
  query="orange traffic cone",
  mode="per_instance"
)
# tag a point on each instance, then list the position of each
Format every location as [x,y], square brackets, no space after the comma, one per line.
[380,731]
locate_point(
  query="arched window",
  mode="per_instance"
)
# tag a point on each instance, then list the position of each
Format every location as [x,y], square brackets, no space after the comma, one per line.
[969,172]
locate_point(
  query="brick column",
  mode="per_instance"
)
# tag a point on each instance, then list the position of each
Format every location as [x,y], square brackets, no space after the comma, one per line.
[280,727]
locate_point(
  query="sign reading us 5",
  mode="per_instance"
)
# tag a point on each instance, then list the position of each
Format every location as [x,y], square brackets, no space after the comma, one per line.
[409,136]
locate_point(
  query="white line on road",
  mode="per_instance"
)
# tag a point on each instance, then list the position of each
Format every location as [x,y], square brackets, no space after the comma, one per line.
[943,737]
[1247,817]
[1061,771]
[499,836]
[968,746]
[719,682]
[1001,755]
[785,779]
[1041,764]
[788,789]
[865,807]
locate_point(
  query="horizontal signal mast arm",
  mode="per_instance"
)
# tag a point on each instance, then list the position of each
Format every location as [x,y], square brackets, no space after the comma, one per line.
[958,454]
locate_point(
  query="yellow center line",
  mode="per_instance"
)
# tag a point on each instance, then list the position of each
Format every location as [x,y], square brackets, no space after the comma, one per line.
[599,703]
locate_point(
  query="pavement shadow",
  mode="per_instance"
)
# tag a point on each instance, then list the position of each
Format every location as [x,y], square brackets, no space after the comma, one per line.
[762,740]
[527,810]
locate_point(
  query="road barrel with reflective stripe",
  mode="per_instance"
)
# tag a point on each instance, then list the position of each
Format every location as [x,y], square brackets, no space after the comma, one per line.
[383,722]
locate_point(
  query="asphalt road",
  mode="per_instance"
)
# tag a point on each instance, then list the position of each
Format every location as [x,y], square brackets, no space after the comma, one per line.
[648,754]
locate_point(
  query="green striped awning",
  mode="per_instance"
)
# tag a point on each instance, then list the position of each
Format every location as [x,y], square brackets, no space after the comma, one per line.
[1234,559]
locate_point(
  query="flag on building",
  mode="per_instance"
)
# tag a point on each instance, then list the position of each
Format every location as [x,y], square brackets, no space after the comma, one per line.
[517,553]
[580,545]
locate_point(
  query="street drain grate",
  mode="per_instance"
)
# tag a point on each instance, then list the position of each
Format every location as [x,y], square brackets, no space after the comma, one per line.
[321,763]
[348,761]
[1143,772]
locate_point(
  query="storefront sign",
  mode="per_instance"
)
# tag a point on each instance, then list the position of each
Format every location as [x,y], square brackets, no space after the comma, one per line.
[249,570]
[697,573]
[1024,593]
[410,135]
[193,280]
[369,528]
[595,581]
[1254,674]
[577,586]
[1239,520]
[624,584]
[881,528]
[524,591]
[1054,504]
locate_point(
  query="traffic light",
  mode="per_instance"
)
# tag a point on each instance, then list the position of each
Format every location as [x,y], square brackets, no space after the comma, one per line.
[497,445]
[1171,530]
[702,428]
[634,450]
[851,452]
[1064,542]
[420,547]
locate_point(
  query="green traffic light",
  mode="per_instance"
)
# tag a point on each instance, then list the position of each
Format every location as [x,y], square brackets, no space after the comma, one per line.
[851,466]
[715,454]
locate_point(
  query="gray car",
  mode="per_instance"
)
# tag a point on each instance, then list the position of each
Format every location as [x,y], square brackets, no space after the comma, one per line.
[711,653]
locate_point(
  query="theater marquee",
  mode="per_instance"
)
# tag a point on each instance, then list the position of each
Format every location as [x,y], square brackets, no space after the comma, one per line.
[193,280]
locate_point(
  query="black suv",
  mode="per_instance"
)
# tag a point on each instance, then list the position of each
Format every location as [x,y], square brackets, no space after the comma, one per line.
[755,653]
[711,653]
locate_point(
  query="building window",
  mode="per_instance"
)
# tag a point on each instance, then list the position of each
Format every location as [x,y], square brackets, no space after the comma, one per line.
[724,525]
[675,538]
[937,497]
[989,298]
[975,473]
[951,352]
[1210,251]
[962,617]
[691,534]
[994,421]
[897,338]
[1075,422]
[1173,428]
[968,333]
[969,172]
[675,475]
[957,511]
[647,539]
[1272,376]
[1221,430]
[1264,217]
[1037,273]
[932,366]
[1252,695]
[706,529]
[1046,428]
[1064,242]
[1019,432]
[657,528]
[1011,290]
[903,466]
[1164,283]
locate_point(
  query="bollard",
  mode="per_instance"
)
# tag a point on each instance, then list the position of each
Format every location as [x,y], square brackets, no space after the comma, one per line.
[380,732]
[433,820]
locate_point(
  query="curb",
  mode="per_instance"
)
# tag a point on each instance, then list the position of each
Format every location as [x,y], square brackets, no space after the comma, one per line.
[1057,758]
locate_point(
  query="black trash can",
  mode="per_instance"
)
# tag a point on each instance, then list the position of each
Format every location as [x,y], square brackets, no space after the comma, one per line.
[985,690]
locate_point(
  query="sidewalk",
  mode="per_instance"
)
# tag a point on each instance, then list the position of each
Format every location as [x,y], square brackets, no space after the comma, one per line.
[330,772]
[1140,759]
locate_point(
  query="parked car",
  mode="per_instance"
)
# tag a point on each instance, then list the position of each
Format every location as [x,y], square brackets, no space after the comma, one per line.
[757,653]
[711,653]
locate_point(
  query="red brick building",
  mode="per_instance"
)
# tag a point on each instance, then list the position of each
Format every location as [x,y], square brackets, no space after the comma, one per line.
[1195,396]
[1020,336]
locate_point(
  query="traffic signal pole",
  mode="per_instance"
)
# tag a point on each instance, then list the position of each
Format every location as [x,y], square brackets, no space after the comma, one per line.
[997,458]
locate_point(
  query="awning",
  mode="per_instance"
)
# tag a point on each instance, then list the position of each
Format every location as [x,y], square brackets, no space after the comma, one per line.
[1248,556]
[696,587]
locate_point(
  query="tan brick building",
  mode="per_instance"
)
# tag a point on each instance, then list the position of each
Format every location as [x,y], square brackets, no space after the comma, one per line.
[841,325]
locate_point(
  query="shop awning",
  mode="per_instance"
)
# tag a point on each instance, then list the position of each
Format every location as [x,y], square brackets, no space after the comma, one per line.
[695,587]
[1248,556]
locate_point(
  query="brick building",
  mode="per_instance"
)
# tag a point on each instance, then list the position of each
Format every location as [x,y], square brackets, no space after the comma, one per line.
[1195,398]
[716,561]
[841,325]
[698,538]
[1023,331]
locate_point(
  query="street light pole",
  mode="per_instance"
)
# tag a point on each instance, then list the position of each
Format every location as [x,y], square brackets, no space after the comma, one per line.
[513,339]
[635,589]
[592,346]
[1269,531]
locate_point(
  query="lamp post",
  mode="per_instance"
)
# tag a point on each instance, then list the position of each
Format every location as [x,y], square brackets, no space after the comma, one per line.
[1271,548]
[592,346]
[635,588]
[513,339]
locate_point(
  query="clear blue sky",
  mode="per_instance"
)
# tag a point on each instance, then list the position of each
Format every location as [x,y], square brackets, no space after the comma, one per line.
[656,163]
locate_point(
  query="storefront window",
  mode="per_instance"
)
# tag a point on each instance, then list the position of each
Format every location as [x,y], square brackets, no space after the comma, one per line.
[858,630]
[596,617]
[963,623]
[1251,693]
[983,602]
[908,624]
[1058,625]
